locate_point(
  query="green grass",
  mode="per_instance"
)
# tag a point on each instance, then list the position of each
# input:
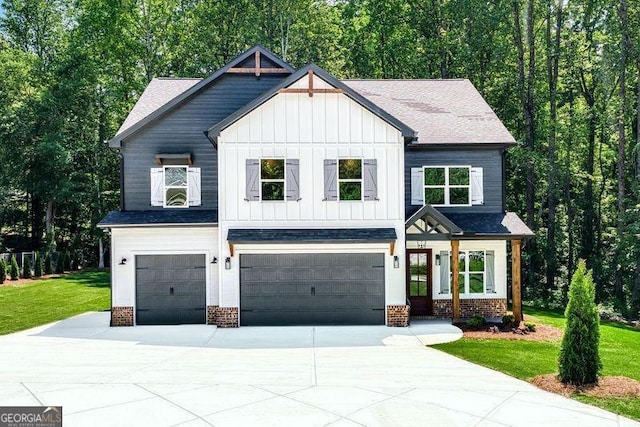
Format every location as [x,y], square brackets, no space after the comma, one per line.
[43,301]
[527,359]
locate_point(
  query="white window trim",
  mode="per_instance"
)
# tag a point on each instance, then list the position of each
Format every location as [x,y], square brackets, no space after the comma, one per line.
[466,274]
[283,180]
[447,187]
[360,180]
[165,187]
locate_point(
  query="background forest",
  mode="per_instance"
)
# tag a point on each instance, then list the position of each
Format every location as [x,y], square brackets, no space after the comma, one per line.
[563,75]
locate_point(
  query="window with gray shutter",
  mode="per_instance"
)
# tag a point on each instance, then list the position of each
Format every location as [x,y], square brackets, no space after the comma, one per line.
[370,179]
[490,284]
[252,180]
[157,186]
[330,180]
[417,186]
[195,197]
[444,272]
[292,175]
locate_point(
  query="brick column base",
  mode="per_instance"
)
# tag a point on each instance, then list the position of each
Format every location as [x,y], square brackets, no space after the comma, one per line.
[121,316]
[485,307]
[222,317]
[398,316]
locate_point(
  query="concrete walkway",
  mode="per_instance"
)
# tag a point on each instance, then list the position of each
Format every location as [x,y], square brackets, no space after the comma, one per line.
[301,376]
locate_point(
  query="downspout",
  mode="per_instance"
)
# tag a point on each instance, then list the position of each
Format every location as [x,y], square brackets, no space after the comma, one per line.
[122,208]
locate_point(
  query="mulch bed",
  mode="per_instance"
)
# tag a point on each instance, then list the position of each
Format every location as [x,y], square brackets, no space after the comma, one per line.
[21,281]
[542,333]
[620,387]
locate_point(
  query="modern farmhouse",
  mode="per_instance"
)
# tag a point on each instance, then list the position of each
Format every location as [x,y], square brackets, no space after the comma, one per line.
[266,195]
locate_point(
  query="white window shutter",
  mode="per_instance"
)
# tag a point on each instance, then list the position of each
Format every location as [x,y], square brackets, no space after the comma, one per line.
[477,186]
[417,186]
[292,175]
[195,193]
[330,180]
[252,184]
[157,186]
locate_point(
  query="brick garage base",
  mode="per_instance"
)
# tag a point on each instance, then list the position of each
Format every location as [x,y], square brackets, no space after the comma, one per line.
[222,317]
[485,307]
[121,316]
[398,315]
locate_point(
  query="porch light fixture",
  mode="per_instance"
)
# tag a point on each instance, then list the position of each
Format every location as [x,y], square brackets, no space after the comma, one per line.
[123,261]
[214,260]
[437,259]
[227,263]
[396,261]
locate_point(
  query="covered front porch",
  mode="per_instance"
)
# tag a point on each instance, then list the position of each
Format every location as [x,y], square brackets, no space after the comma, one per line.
[477,282]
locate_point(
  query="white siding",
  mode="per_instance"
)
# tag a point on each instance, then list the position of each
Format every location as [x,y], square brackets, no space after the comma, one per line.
[129,242]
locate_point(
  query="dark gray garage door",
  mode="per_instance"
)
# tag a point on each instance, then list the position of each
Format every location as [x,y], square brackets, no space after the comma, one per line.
[312,289]
[170,289]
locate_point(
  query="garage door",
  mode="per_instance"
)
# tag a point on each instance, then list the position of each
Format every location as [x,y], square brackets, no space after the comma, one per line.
[312,289]
[170,289]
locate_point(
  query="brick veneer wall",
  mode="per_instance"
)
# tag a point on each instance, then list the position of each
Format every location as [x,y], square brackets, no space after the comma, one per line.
[121,316]
[486,307]
[226,317]
[398,315]
[211,314]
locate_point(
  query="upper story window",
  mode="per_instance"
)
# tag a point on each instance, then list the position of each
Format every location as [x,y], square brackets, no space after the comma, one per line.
[350,179]
[272,179]
[272,184]
[447,186]
[176,187]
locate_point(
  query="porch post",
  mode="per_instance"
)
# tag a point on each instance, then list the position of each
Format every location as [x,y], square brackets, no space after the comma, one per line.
[515,280]
[455,285]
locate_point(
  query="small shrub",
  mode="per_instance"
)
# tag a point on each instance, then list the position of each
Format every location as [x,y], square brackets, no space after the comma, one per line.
[26,268]
[67,261]
[3,271]
[579,361]
[530,326]
[509,320]
[14,270]
[48,265]
[476,322]
[37,267]
[60,263]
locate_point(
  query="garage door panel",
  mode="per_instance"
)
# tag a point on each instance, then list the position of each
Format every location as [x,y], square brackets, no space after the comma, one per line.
[306,289]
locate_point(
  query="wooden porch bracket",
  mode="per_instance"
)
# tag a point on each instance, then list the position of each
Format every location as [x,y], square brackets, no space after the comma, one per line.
[392,247]
[455,280]
[515,279]
[231,249]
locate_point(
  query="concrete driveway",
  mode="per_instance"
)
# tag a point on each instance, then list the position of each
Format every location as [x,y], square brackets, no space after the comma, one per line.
[301,376]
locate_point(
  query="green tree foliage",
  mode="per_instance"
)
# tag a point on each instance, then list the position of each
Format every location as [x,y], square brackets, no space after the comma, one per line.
[579,361]
[48,265]
[67,261]
[26,268]
[14,270]
[38,267]
[3,271]
[60,263]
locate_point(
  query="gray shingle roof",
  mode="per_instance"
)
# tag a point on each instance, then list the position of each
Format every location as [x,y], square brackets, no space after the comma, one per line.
[157,93]
[506,224]
[311,235]
[159,217]
[440,111]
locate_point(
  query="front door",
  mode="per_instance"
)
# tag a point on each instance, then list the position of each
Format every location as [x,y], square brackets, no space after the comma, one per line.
[419,281]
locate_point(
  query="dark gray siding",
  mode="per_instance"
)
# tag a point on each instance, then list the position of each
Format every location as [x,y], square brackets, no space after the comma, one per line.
[181,131]
[488,159]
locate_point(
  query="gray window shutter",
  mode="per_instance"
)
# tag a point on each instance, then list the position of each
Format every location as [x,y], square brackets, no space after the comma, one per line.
[292,175]
[477,196]
[417,186]
[444,272]
[370,179]
[157,187]
[490,272]
[253,180]
[330,180]
[195,197]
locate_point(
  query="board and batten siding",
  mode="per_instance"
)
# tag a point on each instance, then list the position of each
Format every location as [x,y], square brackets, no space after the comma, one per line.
[490,160]
[127,242]
[181,131]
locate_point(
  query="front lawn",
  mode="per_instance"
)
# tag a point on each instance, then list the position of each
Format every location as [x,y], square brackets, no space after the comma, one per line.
[39,302]
[619,345]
